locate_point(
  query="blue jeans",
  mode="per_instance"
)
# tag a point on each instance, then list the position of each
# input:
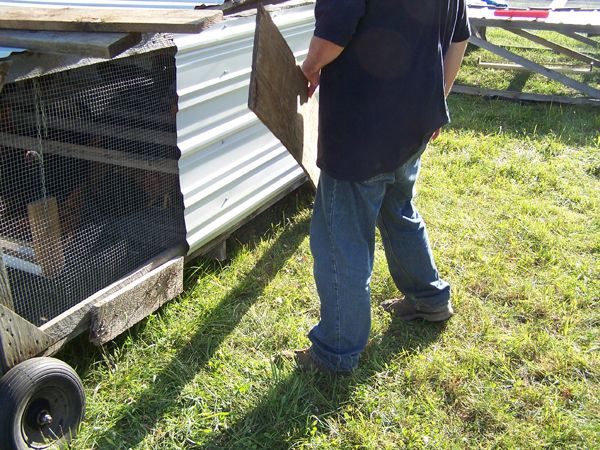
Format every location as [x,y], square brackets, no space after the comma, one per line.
[342,240]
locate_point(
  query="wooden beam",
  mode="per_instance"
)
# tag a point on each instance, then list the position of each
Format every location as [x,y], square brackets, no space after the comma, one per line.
[108,19]
[4,68]
[89,153]
[278,95]
[120,311]
[111,131]
[77,319]
[19,339]
[522,96]
[581,87]
[46,233]
[237,6]
[582,39]
[99,45]
[556,47]
[560,69]
[580,27]
[6,298]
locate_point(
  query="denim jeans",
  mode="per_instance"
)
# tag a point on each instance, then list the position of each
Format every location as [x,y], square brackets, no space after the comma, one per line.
[342,240]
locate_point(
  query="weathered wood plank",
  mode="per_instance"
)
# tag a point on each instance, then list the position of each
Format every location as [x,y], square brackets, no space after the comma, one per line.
[579,27]
[515,95]
[19,339]
[96,154]
[111,131]
[46,232]
[108,19]
[556,47]
[581,87]
[99,45]
[77,319]
[556,68]
[5,290]
[278,95]
[583,39]
[117,313]
[4,68]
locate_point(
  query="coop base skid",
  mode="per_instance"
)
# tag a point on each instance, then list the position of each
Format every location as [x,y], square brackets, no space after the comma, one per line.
[106,314]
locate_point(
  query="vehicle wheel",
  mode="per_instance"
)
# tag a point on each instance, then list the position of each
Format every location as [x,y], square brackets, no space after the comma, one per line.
[42,403]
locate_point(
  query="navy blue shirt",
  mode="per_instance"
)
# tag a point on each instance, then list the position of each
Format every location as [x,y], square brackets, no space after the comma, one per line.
[383,97]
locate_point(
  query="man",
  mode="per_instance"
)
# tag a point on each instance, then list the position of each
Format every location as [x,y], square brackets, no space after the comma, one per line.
[385,68]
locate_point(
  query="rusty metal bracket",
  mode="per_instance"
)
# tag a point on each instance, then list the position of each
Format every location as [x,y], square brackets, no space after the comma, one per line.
[19,339]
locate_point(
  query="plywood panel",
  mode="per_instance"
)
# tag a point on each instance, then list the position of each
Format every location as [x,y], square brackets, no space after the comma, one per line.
[278,95]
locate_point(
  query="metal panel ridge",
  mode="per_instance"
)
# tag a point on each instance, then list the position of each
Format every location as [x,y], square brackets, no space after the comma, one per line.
[231,165]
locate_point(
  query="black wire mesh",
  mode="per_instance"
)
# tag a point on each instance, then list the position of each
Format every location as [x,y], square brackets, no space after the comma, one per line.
[89,188]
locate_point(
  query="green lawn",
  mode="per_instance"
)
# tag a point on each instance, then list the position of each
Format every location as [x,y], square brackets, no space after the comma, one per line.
[511,194]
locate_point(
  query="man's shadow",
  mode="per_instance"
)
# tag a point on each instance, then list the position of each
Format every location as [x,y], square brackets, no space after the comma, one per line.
[150,406]
[301,401]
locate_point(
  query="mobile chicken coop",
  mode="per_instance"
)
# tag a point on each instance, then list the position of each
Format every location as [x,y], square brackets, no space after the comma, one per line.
[112,172]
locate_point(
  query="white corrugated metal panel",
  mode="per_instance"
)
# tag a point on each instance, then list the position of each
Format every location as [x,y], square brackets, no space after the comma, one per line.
[231,165]
[152,4]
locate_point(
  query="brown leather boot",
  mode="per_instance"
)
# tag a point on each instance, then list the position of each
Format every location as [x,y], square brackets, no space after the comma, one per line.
[307,363]
[407,309]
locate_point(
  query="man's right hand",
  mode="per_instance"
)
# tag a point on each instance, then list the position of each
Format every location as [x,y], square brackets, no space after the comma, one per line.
[320,53]
[313,77]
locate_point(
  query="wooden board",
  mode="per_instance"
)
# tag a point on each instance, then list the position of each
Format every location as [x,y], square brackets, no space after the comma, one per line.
[77,319]
[517,67]
[570,21]
[583,39]
[46,232]
[19,340]
[553,75]
[556,47]
[108,19]
[4,68]
[278,95]
[99,45]
[5,290]
[523,96]
[117,313]
[95,154]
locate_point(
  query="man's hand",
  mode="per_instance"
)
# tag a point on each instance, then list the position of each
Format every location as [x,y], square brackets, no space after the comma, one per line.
[313,78]
[435,135]
[320,53]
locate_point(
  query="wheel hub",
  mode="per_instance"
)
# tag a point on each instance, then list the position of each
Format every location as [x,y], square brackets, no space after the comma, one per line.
[44,418]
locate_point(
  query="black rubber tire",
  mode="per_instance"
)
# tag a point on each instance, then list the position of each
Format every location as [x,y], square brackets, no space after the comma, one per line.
[30,390]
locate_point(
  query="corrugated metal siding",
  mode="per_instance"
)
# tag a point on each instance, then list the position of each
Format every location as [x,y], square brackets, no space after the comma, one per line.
[152,4]
[230,165]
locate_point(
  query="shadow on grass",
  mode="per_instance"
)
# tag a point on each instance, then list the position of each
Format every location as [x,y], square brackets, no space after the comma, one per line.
[139,417]
[288,411]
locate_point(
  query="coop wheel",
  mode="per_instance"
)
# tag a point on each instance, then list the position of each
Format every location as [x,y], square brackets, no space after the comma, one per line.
[42,403]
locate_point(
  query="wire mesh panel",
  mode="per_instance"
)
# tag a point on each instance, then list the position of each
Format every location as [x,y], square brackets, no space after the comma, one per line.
[89,186]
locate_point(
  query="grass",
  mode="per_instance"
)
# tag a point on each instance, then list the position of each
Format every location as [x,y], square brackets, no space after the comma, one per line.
[511,195]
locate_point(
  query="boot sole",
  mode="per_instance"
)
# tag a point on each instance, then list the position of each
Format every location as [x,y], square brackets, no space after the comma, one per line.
[441,316]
